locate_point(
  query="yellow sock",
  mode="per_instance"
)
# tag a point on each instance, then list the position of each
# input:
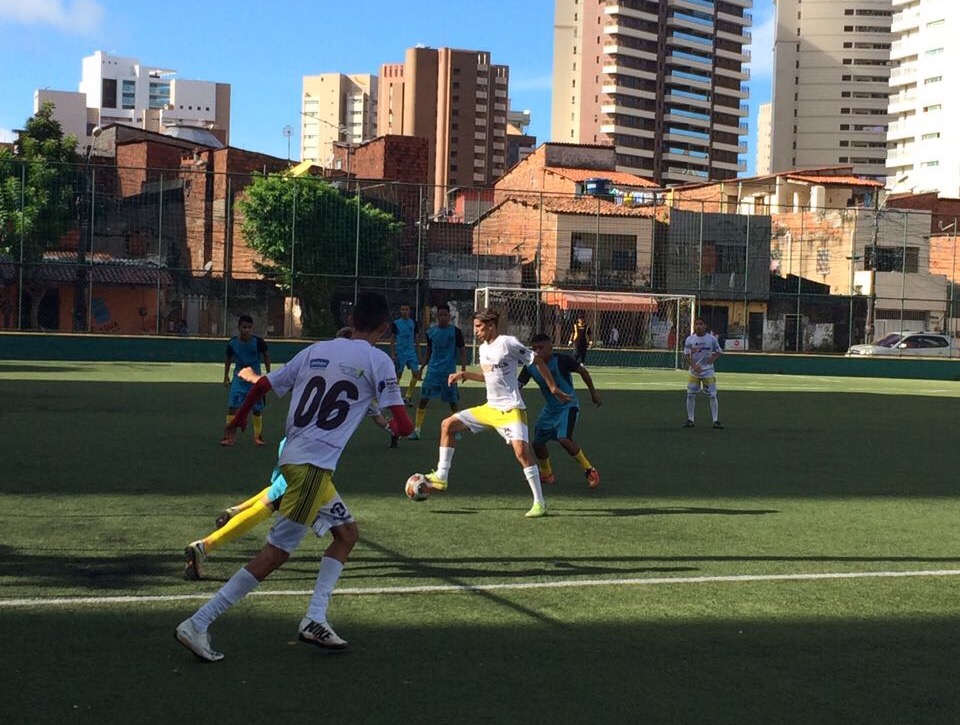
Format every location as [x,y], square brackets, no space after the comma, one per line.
[257,425]
[421,416]
[582,460]
[546,468]
[250,501]
[237,526]
[411,387]
[229,418]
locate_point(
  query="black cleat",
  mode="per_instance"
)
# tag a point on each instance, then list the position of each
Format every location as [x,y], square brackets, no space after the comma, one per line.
[223,518]
[394,441]
[718,425]
[688,424]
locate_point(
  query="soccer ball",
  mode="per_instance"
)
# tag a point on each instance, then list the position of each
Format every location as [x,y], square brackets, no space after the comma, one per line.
[417,487]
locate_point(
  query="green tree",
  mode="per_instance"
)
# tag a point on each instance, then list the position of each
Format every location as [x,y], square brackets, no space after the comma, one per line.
[37,198]
[309,232]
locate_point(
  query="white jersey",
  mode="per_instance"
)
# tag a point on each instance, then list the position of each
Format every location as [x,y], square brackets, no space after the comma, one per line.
[334,384]
[499,361]
[700,349]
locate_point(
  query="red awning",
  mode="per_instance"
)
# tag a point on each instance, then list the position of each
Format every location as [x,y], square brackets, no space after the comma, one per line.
[600,301]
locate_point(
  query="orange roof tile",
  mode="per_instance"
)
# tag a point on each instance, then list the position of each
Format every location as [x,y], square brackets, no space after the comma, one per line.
[593,206]
[617,177]
[834,180]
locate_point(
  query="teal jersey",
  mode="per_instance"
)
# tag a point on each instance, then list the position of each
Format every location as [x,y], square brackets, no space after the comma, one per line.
[405,334]
[246,354]
[561,367]
[445,344]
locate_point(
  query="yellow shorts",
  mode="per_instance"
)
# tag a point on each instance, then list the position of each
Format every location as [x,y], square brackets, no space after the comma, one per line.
[510,424]
[308,489]
[694,384]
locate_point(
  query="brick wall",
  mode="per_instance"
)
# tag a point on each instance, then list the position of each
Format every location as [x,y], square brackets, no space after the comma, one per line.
[944,211]
[388,158]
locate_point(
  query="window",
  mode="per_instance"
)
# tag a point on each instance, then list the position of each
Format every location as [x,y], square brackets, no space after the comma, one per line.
[128,100]
[615,252]
[823,260]
[890,259]
[934,79]
[932,108]
[930,136]
[934,51]
[935,23]
[108,90]
[929,164]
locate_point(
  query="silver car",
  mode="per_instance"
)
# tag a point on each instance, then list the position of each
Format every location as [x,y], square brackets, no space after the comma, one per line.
[907,344]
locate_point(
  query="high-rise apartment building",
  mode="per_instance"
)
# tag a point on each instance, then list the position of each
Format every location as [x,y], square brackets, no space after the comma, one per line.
[923,138]
[764,130]
[661,80]
[457,100]
[114,89]
[830,84]
[336,108]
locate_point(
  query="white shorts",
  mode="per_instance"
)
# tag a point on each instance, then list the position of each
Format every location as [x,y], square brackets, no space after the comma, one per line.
[510,424]
[287,535]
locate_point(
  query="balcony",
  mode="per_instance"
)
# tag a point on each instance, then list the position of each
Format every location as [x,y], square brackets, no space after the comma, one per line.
[902,102]
[615,10]
[904,75]
[629,52]
[623,30]
[905,20]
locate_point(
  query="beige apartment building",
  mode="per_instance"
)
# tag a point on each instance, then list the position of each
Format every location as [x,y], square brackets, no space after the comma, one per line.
[458,101]
[336,108]
[764,130]
[830,85]
[661,80]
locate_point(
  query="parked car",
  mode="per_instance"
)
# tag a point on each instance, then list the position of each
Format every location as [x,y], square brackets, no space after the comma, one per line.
[907,344]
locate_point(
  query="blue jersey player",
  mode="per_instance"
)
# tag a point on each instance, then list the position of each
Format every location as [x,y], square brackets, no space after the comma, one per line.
[445,348]
[244,350]
[558,419]
[405,348]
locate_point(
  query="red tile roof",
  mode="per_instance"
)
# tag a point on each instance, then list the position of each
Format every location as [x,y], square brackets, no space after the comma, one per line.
[834,180]
[620,178]
[60,268]
[593,206]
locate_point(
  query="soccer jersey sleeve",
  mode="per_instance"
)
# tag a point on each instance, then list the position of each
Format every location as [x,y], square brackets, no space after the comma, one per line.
[230,352]
[283,380]
[687,347]
[385,377]
[520,351]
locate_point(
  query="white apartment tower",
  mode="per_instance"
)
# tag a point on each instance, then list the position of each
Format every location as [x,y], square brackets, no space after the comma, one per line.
[336,108]
[662,80]
[831,70]
[114,89]
[923,137]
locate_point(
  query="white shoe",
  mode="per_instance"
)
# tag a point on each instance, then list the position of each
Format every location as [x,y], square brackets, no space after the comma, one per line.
[197,642]
[320,634]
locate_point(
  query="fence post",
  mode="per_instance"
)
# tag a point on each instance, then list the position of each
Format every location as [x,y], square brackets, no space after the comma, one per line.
[356,257]
[227,255]
[903,269]
[160,261]
[293,248]
[23,185]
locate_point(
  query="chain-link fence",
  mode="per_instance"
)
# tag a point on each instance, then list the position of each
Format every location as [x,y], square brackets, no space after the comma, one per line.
[99,248]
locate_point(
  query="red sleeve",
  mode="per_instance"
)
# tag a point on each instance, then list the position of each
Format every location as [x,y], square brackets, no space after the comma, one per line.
[256,394]
[401,425]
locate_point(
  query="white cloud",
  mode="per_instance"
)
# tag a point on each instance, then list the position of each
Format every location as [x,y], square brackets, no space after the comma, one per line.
[70,16]
[761,47]
[7,136]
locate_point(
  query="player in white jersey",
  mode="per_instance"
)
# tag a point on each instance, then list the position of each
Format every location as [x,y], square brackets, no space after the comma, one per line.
[504,411]
[700,351]
[333,383]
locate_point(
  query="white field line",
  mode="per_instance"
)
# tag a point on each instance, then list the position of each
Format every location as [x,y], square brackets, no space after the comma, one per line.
[470,588]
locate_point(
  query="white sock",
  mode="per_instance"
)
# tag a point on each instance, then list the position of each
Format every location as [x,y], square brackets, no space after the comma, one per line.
[691,405]
[327,577]
[532,474]
[445,462]
[239,586]
[714,408]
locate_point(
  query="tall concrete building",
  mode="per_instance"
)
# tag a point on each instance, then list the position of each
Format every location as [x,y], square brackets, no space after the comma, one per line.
[457,100]
[831,70]
[764,129]
[336,108]
[114,89]
[662,80]
[923,136]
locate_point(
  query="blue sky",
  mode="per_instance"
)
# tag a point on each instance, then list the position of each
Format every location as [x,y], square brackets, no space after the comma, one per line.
[263,53]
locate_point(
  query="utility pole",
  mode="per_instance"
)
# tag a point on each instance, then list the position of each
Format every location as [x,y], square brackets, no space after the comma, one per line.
[871,260]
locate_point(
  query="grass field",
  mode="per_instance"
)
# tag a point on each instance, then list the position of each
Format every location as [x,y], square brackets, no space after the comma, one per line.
[801,566]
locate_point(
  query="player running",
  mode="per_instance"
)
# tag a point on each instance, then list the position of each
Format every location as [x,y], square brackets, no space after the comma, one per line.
[444,347]
[558,419]
[504,411]
[405,349]
[246,350]
[332,384]
[700,351]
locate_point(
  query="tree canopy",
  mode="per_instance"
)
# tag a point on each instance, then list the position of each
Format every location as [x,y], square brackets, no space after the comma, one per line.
[315,238]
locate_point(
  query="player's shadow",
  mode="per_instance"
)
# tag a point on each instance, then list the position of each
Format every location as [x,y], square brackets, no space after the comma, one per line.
[12,367]
[662,511]
[66,568]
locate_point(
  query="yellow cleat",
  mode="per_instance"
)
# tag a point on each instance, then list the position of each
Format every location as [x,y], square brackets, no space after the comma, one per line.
[436,483]
[537,510]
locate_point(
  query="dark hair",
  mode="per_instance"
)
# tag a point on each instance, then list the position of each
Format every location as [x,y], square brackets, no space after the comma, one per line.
[346,332]
[406,304]
[244,318]
[370,312]
[541,337]
[488,314]
[699,319]
[443,306]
